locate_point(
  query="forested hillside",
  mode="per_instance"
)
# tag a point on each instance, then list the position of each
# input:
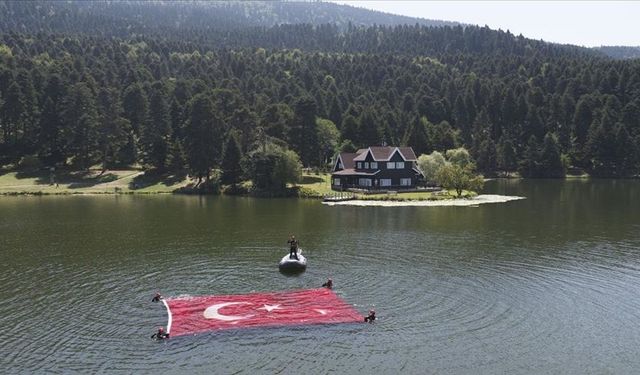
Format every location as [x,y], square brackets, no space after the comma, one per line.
[203,98]
[118,18]
[620,52]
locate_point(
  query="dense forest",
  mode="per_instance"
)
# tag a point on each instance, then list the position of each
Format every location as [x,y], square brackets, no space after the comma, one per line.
[99,83]
[118,18]
[620,52]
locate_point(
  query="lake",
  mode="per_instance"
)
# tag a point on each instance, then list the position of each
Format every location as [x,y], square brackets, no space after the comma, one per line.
[549,284]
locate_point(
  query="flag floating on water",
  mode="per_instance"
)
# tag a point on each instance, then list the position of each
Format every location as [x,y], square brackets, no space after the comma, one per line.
[189,315]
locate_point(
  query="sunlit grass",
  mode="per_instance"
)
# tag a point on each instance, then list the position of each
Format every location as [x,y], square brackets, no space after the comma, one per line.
[88,182]
[318,183]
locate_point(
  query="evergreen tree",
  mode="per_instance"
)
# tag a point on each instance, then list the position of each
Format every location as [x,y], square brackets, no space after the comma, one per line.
[202,131]
[550,161]
[417,137]
[156,135]
[529,165]
[114,130]
[507,156]
[487,156]
[135,105]
[14,115]
[303,135]
[369,130]
[349,130]
[231,159]
[627,156]
[51,144]
[81,119]
[601,145]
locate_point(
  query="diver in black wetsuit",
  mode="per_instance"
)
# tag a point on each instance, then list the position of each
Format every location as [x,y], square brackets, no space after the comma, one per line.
[371,317]
[160,335]
[293,249]
[156,298]
[328,284]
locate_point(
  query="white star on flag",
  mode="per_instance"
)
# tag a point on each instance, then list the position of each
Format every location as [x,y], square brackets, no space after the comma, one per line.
[270,308]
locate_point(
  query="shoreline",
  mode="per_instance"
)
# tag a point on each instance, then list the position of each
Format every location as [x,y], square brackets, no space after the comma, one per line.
[470,202]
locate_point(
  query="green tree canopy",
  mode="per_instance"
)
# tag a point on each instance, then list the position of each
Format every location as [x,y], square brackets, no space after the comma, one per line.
[454,177]
[460,157]
[430,165]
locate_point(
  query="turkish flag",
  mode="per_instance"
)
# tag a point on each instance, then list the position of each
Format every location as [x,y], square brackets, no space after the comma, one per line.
[189,315]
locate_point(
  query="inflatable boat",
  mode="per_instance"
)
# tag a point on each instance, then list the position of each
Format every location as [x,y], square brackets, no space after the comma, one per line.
[292,264]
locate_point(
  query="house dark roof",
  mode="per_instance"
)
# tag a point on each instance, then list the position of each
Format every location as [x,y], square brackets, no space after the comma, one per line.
[384,153]
[347,160]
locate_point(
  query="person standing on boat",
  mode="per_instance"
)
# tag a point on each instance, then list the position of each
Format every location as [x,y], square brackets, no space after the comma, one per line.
[293,249]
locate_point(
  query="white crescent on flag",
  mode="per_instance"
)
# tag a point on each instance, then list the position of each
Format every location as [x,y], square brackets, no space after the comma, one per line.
[212,312]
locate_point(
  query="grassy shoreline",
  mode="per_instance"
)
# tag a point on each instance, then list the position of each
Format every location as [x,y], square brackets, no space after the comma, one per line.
[136,181]
[91,182]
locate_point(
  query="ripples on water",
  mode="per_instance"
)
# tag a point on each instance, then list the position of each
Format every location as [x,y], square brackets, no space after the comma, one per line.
[450,297]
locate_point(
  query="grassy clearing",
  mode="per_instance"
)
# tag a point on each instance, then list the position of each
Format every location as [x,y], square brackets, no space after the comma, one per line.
[88,182]
[315,185]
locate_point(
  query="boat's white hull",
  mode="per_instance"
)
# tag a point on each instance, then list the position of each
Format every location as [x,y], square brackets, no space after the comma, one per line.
[293,264]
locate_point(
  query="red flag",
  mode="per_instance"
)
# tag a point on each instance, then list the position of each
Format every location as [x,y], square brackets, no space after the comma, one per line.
[313,306]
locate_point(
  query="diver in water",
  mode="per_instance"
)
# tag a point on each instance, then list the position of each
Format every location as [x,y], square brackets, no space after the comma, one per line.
[328,284]
[156,298]
[371,317]
[293,249]
[160,335]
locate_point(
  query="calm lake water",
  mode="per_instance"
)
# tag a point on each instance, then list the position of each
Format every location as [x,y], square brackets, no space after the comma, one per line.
[550,284]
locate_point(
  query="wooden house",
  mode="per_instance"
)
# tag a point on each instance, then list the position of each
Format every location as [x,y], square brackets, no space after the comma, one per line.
[376,168]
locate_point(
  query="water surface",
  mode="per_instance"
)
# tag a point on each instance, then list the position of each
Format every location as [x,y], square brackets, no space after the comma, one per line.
[544,285]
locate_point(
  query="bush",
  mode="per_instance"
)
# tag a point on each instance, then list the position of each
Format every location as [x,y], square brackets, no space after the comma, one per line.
[237,189]
[305,192]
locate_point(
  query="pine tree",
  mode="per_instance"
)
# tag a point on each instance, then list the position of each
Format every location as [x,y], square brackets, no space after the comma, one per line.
[417,136]
[155,137]
[13,111]
[202,136]
[529,163]
[601,146]
[349,130]
[81,119]
[231,168]
[550,160]
[114,130]
[303,135]
[507,157]
[369,130]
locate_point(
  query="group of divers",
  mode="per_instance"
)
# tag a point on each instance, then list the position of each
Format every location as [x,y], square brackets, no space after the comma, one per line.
[293,254]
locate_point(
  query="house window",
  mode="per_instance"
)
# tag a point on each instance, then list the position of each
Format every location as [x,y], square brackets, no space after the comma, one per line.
[364,182]
[405,182]
[359,165]
[391,165]
[385,182]
[374,165]
[366,165]
[336,182]
[400,165]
